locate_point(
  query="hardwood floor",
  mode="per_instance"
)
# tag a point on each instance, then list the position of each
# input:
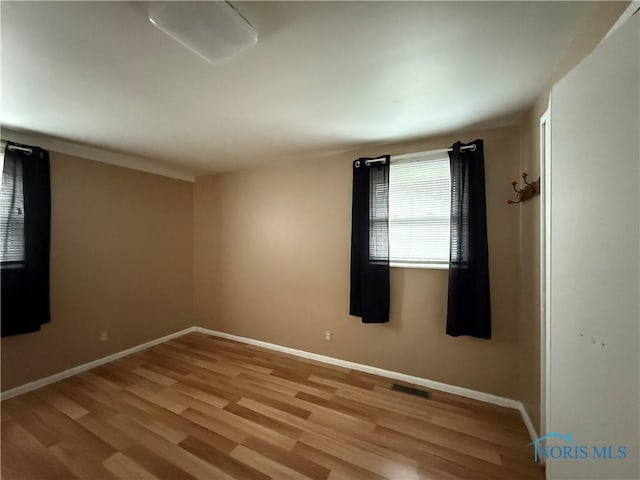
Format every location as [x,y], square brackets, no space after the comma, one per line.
[200,407]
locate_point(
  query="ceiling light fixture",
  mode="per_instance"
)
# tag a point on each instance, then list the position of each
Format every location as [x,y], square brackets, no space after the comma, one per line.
[213,30]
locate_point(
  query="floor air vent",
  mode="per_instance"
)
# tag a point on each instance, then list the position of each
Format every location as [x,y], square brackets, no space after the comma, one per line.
[411,391]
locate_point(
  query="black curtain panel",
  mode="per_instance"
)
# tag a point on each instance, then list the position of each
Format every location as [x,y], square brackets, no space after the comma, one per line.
[370,240]
[469,306]
[25,202]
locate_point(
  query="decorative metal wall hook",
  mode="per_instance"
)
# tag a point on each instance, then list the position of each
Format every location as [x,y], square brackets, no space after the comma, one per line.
[528,191]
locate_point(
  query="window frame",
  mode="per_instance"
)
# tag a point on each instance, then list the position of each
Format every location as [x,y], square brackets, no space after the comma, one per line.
[411,158]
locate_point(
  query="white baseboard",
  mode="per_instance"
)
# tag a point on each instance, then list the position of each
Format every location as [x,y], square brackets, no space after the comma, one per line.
[27,387]
[527,422]
[424,382]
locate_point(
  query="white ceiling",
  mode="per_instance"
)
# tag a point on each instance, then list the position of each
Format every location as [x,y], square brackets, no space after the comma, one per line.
[323,77]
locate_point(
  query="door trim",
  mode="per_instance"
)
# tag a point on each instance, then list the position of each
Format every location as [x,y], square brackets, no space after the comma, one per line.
[545,267]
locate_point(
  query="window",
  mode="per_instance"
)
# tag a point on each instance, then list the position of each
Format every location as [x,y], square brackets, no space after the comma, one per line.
[419,210]
[11,213]
[378,216]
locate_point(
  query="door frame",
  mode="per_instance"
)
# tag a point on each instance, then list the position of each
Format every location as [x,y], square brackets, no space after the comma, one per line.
[545,266]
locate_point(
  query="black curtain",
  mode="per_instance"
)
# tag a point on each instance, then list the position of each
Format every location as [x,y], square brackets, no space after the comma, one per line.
[25,276]
[469,306]
[370,240]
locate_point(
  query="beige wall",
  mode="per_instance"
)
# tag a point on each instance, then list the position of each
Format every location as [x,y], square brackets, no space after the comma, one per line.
[272,263]
[271,252]
[121,260]
[595,27]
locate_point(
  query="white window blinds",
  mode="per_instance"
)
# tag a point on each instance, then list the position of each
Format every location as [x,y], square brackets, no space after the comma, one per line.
[378,217]
[11,212]
[419,210]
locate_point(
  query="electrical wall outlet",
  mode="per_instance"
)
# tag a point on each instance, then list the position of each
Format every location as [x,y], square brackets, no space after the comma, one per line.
[327,335]
[103,335]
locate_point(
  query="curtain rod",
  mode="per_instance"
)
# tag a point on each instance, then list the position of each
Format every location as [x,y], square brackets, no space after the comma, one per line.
[20,149]
[400,158]
[16,147]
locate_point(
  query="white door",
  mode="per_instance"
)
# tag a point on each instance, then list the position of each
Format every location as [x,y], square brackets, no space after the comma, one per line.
[594,264]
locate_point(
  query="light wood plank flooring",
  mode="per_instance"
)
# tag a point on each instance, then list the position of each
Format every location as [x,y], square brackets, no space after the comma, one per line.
[200,407]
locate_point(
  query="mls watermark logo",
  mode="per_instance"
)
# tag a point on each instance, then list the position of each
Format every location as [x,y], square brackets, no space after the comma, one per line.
[569,450]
